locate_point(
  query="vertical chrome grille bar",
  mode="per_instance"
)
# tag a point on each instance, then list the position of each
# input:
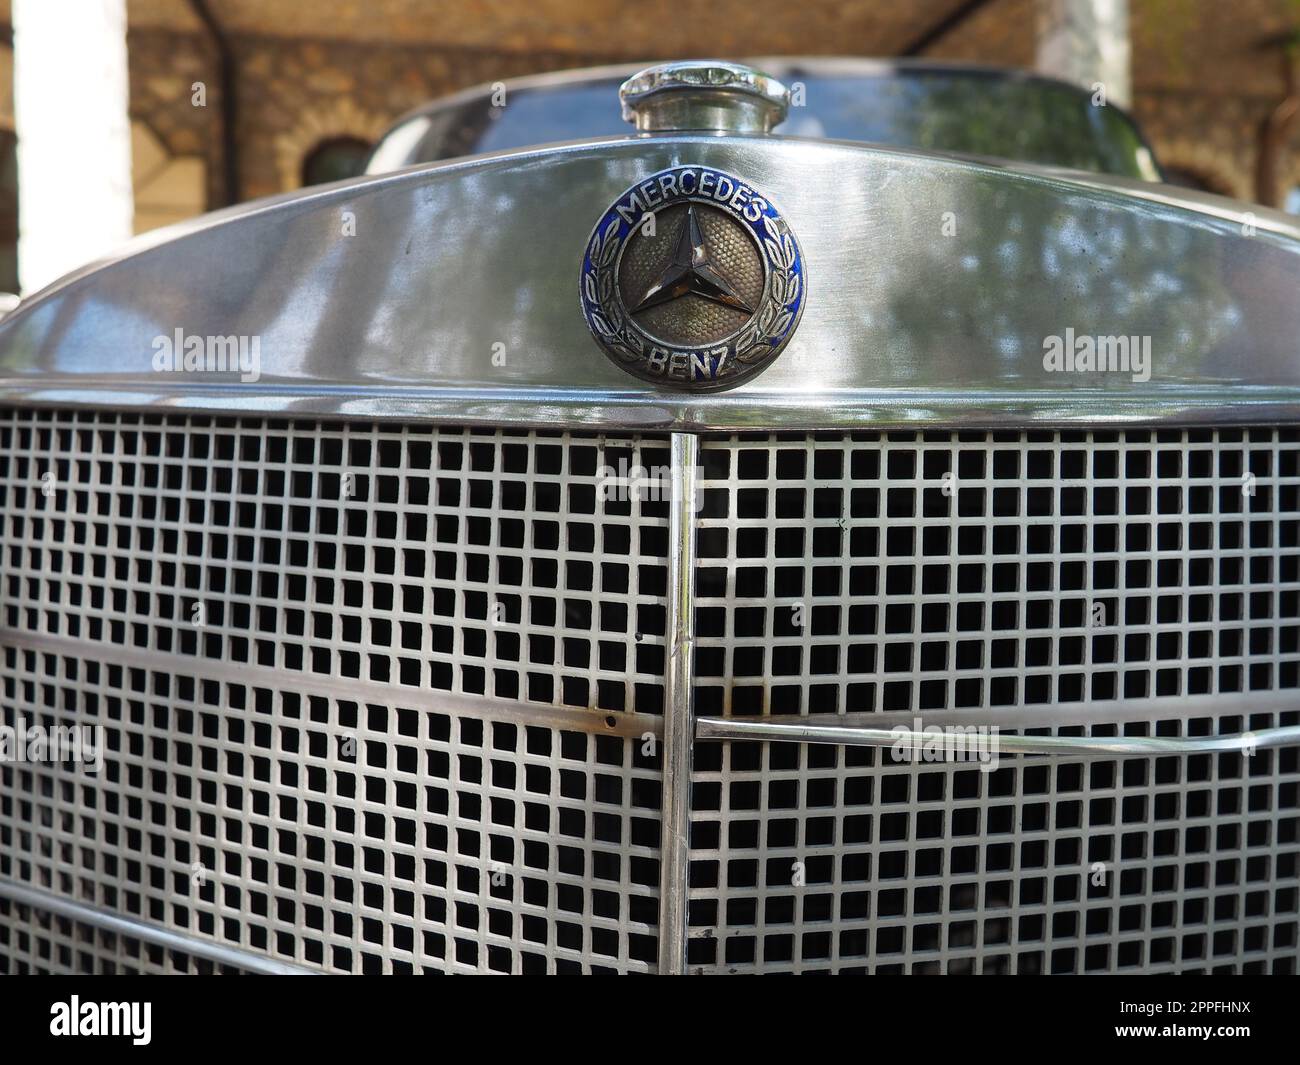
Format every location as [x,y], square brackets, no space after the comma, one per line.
[674,870]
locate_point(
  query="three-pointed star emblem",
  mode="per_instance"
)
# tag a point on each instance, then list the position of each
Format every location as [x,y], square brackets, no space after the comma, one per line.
[690,271]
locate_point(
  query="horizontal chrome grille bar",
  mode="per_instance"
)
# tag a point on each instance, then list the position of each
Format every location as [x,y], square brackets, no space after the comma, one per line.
[626,724]
[804,731]
[149,933]
[629,411]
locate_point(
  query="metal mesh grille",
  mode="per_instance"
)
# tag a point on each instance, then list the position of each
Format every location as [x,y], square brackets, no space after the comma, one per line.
[812,858]
[36,942]
[918,572]
[326,764]
[957,571]
[478,562]
[358,837]
[282,774]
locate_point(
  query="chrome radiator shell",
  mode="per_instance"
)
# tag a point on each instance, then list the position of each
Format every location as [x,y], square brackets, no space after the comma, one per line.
[468,713]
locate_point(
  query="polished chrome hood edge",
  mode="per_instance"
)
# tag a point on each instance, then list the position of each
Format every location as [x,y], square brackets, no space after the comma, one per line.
[934,287]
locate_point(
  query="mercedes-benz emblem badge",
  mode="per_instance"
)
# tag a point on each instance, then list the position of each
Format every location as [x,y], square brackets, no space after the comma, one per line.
[693,280]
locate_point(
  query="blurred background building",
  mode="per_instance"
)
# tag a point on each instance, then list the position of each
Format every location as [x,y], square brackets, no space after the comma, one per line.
[228,100]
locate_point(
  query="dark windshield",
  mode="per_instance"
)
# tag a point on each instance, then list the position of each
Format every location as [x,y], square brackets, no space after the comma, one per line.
[966,111]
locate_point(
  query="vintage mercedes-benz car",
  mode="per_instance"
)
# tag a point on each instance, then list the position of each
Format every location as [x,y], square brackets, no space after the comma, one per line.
[848,523]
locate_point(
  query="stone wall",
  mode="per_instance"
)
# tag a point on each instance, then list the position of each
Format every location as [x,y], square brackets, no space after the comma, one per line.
[294,94]
[999,33]
[1205,127]
[163,69]
[1211,138]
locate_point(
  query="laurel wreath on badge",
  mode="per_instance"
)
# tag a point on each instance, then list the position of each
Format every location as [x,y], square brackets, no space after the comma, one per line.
[609,321]
[772,321]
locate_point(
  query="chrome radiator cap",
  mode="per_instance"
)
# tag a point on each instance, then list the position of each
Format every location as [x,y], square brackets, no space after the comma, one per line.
[704,94]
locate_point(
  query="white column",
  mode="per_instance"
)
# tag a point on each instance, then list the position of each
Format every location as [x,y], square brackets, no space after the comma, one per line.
[74,134]
[1087,42]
